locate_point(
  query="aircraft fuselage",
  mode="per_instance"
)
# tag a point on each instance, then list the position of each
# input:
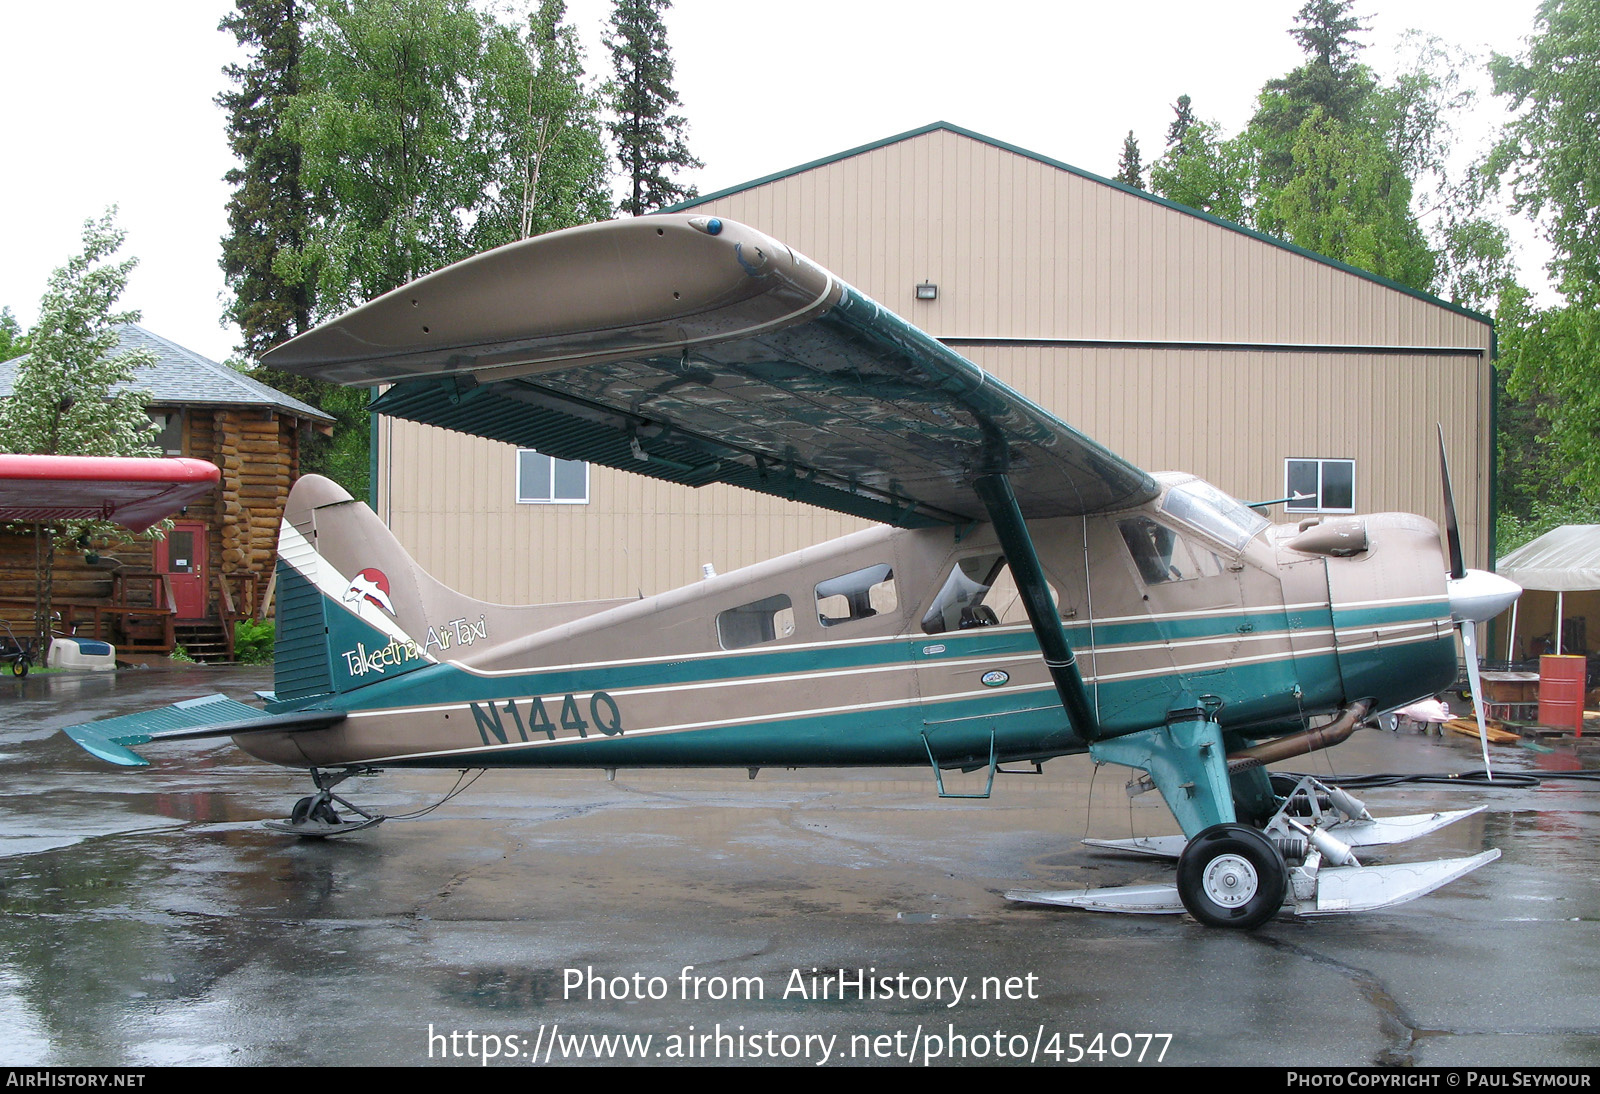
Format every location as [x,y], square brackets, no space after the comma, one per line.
[886,647]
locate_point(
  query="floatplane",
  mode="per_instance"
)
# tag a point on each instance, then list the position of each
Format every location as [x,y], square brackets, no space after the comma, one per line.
[1027,594]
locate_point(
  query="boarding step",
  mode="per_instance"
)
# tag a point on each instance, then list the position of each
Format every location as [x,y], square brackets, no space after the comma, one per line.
[205,642]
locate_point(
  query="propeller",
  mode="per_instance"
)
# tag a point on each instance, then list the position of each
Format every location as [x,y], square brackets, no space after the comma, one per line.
[1476,596]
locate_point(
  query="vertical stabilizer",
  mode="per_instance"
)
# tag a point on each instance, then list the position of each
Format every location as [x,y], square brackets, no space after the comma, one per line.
[352,604]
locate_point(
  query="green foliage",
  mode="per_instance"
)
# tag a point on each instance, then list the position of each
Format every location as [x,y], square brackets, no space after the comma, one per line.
[1183,118]
[541,122]
[253,641]
[1205,171]
[379,140]
[1342,164]
[1549,154]
[1550,151]
[1346,198]
[13,343]
[649,137]
[384,119]
[63,401]
[263,254]
[180,654]
[429,132]
[1130,171]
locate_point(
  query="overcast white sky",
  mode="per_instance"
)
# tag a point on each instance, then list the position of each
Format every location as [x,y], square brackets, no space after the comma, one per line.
[104,101]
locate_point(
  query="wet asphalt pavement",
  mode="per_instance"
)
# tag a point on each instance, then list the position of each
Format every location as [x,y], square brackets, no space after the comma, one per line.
[149,919]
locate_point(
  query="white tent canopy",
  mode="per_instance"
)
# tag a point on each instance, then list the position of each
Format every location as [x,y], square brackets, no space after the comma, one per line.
[1562,561]
[1565,560]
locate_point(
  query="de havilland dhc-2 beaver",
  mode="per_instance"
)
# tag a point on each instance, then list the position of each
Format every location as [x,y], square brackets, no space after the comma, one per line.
[1028,594]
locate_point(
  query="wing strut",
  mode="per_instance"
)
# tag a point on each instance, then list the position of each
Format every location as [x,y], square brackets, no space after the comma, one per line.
[1012,531]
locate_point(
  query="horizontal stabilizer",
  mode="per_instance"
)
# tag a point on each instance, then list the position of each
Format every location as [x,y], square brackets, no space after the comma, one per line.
[208,716]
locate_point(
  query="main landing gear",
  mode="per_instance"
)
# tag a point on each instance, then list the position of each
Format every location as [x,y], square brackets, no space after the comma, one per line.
[1302,861]
[314,816]
[1230,875]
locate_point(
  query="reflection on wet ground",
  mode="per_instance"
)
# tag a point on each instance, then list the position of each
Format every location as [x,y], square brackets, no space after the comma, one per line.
[149,919]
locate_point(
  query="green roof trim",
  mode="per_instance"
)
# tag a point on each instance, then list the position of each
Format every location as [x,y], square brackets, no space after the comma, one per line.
[1366,275]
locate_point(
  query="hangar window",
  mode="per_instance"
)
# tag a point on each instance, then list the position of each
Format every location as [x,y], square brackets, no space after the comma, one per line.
[1319,486]
[543,479]
[752,624]
[857,595]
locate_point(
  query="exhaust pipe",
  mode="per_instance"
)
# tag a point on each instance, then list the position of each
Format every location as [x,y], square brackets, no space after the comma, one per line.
[1298,744]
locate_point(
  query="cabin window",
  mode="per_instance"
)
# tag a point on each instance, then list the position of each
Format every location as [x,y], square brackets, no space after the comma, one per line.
[1319,486]
[1162,555]
[752,624]
[543,479]
[858,595]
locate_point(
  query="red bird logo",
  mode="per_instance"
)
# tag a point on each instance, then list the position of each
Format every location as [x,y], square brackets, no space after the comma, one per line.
[370,585]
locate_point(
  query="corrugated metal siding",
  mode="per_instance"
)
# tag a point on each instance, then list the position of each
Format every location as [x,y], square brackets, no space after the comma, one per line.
[1020,250]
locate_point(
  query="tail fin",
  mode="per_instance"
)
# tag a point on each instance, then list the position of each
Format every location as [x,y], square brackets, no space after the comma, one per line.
[353,607]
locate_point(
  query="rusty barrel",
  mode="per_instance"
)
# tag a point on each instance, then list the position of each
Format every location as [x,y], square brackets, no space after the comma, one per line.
[1561,679]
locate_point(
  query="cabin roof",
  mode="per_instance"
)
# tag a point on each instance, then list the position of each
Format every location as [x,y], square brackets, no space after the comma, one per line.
[181,377]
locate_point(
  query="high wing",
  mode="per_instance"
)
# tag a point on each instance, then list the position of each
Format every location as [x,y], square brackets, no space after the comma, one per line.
[133,492]
[698,350]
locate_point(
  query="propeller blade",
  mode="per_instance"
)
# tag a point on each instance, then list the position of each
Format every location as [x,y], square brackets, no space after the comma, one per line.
[1469,646]
[1452,529]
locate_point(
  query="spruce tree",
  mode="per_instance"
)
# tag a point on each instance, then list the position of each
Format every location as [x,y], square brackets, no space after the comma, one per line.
[1130,171]
[263,254]
[649,137]
[1182,122]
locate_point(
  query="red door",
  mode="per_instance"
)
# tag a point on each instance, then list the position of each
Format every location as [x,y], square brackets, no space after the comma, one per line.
[182,557]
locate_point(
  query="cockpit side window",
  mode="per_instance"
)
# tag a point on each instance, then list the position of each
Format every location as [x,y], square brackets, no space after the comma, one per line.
[1162,555]
[960,600]
[860,594]
[979,592]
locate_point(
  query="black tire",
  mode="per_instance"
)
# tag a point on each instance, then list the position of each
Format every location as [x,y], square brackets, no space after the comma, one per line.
[1231,875]
[301,811]
[19,667]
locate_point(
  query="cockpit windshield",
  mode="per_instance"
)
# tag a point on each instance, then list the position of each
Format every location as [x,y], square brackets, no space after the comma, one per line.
[1203,506]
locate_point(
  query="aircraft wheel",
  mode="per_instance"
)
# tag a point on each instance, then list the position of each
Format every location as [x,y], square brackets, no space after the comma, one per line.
[323,811]
[301,811]
[1231,875]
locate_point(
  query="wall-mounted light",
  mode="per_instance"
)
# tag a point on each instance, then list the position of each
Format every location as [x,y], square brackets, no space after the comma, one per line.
[927,291]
